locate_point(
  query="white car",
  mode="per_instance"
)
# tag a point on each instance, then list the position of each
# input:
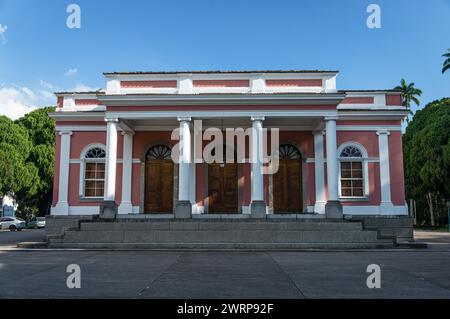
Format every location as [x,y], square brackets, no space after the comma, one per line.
[12,223]
[38,222]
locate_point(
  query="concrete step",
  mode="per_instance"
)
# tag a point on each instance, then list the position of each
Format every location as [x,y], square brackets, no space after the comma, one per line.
[216,236]
[204,225]
[221,246]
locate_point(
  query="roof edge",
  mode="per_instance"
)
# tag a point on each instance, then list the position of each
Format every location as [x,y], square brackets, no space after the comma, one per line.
[218,72]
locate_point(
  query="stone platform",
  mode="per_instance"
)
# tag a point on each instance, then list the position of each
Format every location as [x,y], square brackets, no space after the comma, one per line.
[217,234]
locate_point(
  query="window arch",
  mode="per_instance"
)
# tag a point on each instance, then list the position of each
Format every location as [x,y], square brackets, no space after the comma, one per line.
[92,171]
[289,151]
[159,152]
[353,171]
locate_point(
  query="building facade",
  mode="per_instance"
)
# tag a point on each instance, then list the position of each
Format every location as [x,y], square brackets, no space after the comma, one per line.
[340,151]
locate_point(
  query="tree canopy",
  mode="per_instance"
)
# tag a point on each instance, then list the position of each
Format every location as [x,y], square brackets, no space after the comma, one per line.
[426,149]
[27,158]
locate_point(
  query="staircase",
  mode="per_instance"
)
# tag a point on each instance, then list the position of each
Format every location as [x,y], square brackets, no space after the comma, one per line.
[247,234]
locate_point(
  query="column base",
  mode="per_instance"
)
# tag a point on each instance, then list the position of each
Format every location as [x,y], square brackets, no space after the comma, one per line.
[108,209]
[125,208]
[386,208]
[258,209]
[319,207]
[61,208]
[183,209]
[333,210]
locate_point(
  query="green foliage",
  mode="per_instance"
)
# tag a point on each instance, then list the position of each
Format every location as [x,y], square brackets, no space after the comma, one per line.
[409,93]
[446,65]
[426,149]
[27,160]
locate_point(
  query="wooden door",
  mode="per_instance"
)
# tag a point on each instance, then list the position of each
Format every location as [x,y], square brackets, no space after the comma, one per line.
[287,187]
[159,186]
[222,188]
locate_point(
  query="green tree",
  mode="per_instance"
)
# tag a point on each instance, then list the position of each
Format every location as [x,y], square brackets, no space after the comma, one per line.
[41,130]
[16,173]
[426,148]
[446,64]
[409,93]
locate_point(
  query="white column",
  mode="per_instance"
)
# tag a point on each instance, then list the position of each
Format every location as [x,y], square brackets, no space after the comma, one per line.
[185,159]
[257,184]
[386,206]
[319,206]
[62,207]
[111,160]
[332,163]
[127,168]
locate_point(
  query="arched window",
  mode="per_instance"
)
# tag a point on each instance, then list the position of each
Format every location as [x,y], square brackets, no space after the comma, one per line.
[94,172]
[288,151]
[159,152]
[353,171]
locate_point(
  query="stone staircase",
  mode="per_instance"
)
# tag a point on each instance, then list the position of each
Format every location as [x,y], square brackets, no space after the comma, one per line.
[247,234]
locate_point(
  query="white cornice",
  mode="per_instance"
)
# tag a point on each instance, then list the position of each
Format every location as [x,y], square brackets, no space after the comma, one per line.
[214,114]
[223,99]
[77,116]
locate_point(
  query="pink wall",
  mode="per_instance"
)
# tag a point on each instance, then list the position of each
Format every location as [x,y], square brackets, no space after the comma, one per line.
[303,139]
[149,84]
[56,174]
[394,99]
[294,83]
[218,107]
[221,83]
[358,100]
[396,168]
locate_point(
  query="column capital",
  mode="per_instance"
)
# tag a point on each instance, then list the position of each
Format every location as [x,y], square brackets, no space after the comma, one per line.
[184,119]
[331,118]
[257,118]
[318,132]
[114,120]
[383,132]
[128,133]
[66,133]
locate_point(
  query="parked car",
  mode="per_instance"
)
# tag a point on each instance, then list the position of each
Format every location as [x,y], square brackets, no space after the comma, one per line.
[12,223]
[38,222]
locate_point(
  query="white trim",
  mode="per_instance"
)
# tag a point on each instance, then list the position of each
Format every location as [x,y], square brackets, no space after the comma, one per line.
[375,210]
[125,206]
[86,210]
[81,128]
[319,169]
[355,144]
[82,161]
[102,128]
[135,115]
[111,160]
[62,207]
[385,179]
[119,161]
[365,167]
[368,128]
[332,160]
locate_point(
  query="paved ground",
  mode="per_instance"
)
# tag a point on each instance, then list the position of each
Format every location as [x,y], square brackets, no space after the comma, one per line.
[12,238]
[150,274]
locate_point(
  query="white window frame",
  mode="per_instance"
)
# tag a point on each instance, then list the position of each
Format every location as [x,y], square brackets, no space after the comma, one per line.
[83,161]
[365,169]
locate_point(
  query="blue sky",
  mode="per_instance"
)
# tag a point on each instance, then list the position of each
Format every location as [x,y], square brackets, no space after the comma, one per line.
[37,50]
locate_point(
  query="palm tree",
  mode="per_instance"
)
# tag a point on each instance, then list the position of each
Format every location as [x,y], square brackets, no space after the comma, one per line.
[446,65]
[409,93]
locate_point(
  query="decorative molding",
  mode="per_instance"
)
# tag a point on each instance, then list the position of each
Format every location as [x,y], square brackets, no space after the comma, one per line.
[257,118]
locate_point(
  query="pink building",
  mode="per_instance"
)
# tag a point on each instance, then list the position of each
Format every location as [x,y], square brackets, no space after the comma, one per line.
[340,150]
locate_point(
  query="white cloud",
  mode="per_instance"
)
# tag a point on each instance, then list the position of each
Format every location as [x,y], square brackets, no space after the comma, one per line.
[3,29]
[71,72]
[15,102]
[47,85]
